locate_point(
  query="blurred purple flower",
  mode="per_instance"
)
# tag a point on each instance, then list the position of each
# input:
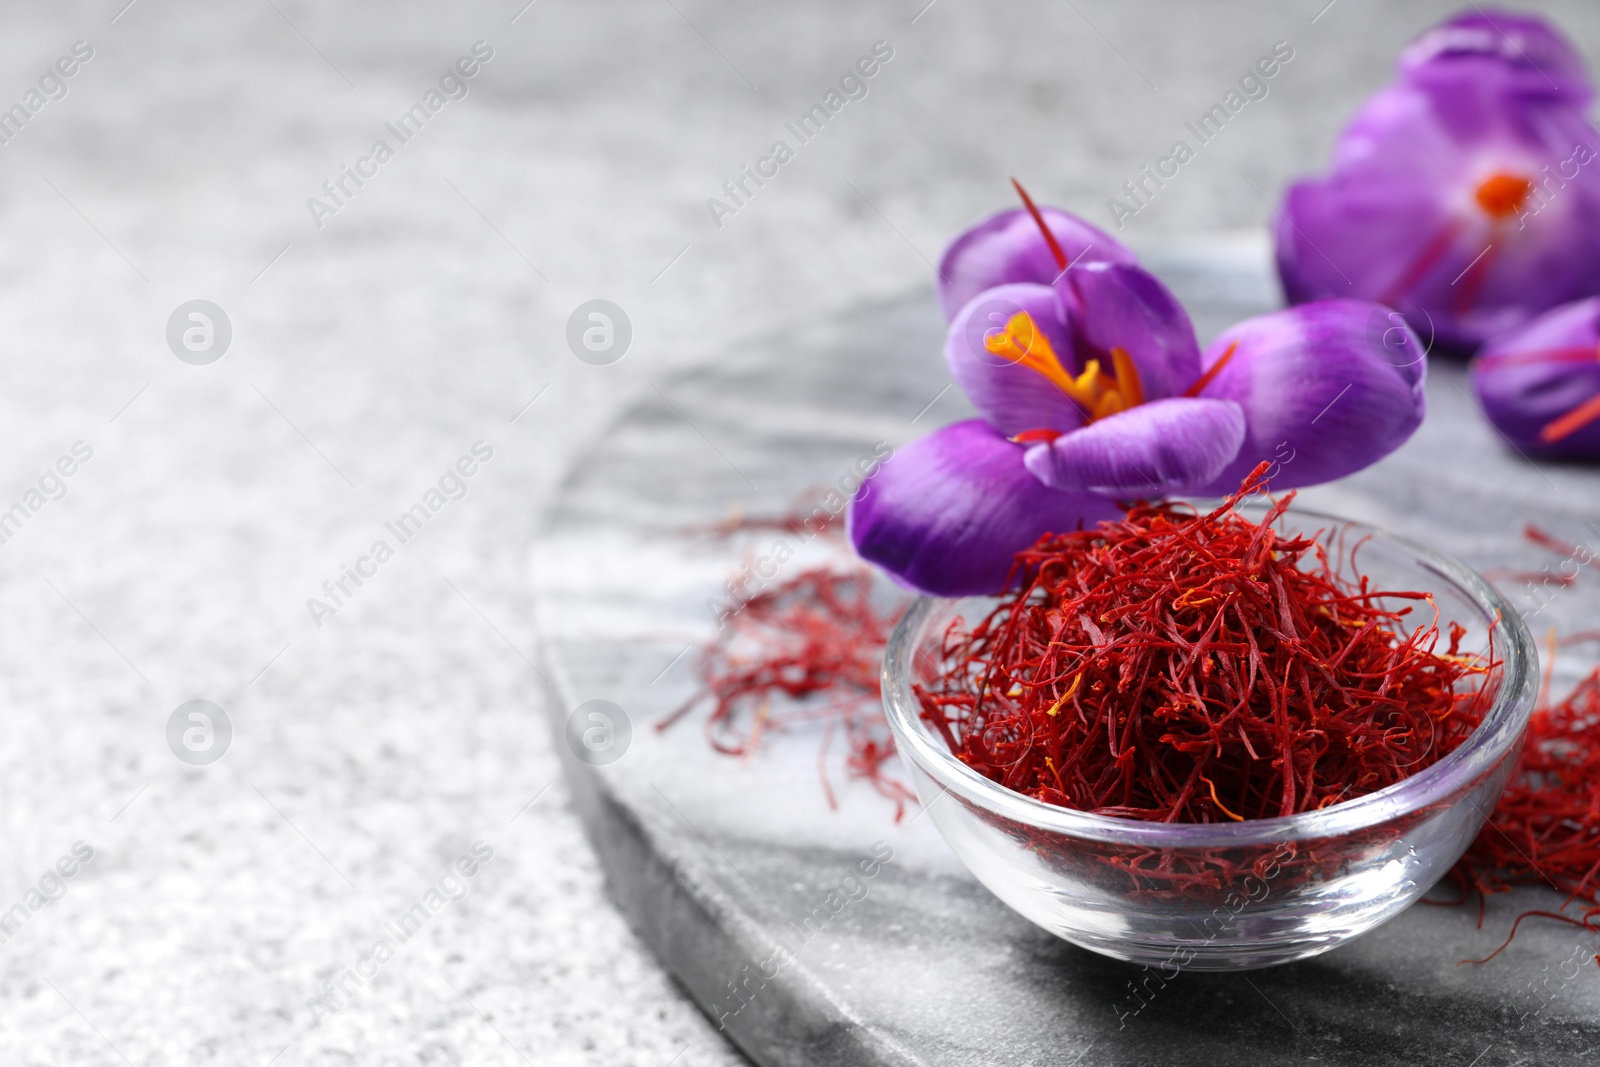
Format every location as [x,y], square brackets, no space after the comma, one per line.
[1093,390]
[1522,53]
[1463,194]
[1540,385]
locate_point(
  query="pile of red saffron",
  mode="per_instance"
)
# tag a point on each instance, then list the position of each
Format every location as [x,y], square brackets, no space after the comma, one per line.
[1546,828]
[804,650]
[1185,667]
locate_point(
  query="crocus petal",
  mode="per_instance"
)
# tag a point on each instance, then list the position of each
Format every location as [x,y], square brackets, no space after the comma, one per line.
[1326,388]
[1115,305]
[1008,247]
[1523,53]
[947,513]
[1530,378]
[1469,207]
[1161,448]
[1011,397]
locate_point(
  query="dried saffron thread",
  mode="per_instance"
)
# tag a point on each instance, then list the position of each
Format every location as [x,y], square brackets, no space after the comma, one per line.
[1546,828]
[1585,922]
[1547,540]
[1184,667]
[805,650]
[807,518]
[1550,542]
[1510,574]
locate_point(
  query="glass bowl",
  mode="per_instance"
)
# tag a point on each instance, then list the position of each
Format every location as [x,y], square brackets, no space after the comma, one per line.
[1218,897]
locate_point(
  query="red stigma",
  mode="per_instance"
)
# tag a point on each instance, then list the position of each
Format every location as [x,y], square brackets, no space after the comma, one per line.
[1049,238]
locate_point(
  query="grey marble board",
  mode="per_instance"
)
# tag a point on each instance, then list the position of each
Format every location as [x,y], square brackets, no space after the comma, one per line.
[715,859]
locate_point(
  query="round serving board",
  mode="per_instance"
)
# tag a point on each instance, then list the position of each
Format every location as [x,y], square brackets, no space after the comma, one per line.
[719,861]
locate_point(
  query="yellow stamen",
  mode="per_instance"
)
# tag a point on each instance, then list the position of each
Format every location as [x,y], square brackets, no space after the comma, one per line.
[1097,393]
[1184,601]
[1048,762]
[1110,403]
[1023,344]
[1071,689]
[1128,383]
[1225,811]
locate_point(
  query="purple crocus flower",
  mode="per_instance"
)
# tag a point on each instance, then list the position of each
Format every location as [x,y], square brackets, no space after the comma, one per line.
[1523,54]
[1540,385]
[1465,194]
[1094,391]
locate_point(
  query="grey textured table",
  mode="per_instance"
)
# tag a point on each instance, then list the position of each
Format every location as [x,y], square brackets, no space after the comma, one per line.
[718,860]
[420,318]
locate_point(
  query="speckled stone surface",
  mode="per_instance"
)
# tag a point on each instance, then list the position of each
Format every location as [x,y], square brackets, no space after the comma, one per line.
[718,860]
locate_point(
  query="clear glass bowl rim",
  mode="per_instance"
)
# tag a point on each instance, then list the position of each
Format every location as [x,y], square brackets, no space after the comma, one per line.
[1502,727]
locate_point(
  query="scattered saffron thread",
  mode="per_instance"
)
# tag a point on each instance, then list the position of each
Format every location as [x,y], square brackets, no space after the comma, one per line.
[805,650]
[1546,828]
[1550,542]
[1510,574]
